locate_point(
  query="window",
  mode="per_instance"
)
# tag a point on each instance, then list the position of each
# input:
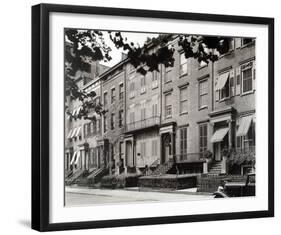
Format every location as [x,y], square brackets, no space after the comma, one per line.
[105,98]
[143,82]
[113,95]
[249,140]
[168,74]
[183,140]
[121,118]
[202,64]
[97,100]
[132,89]
[143,113]
[183,64]
[183,100]
[168,105]
[143,149]
[90,129]
[203,94]
[112,121]
[98,127]
[154,146]
[104,124]
[231,44]
[121,91]
[224,92]
[154,110]
[203,137]
[132,86]
[132,117]
[247,40]
[154,75]
[247,77]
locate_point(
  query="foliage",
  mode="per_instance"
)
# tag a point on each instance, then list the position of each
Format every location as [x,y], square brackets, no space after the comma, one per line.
[83,47]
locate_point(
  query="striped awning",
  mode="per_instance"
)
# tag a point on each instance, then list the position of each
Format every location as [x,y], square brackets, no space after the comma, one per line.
[73,157]
[77,156]
[73,134]
[69,134]
[219,135]
[78,131]
[244,125]
[222,80]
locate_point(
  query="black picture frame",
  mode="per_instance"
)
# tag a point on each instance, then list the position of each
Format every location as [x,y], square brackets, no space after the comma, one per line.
[40,116]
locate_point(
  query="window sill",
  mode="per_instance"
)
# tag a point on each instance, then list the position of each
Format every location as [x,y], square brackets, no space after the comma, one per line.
[203,107]
[248,44]
[167,82]
[168,117]
[183,75]
[226,54]
[202,67]
[248,93]
[184,113]
[224,99]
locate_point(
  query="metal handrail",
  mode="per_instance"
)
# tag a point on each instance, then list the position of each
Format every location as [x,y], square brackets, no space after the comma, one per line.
[191,157]
[152,121]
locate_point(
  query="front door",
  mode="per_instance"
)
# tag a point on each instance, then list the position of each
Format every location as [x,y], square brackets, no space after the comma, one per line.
[129,154]
[217,148]
[166,149]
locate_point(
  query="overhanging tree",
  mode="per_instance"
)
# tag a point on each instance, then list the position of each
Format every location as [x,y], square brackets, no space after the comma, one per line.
[83,47]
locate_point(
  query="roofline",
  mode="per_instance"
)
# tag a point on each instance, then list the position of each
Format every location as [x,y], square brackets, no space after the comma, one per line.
[116,66]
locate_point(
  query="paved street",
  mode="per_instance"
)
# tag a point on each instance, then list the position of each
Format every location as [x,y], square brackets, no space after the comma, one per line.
[85,196]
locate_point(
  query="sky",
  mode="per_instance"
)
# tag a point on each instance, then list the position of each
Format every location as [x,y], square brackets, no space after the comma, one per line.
[132,37]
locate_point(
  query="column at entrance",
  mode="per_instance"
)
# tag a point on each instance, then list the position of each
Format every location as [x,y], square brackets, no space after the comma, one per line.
[167,142]
[129,160]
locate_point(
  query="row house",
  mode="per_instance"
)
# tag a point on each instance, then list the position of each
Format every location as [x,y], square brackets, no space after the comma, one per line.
[200,116]
[142,142]
[84,149]
[233,118]
[113,120]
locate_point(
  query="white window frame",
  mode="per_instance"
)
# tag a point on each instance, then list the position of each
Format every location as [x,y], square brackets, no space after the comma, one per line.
[105,92]
[183,64]
[170,115]
[183,141]
[182,101]
[113,89]
[154,147]
[168,70]
[242,78]
[202,149]
[220,91]
[201,95]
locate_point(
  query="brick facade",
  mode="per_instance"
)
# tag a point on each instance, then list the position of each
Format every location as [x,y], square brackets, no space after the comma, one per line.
[179,113]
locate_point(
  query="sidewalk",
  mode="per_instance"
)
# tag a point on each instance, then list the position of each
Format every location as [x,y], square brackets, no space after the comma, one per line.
[77,196]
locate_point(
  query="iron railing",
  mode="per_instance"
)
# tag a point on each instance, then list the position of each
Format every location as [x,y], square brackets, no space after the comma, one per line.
[191,157]
[152,121]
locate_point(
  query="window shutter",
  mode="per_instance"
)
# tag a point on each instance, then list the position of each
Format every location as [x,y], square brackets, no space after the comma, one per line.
[231,80]
[254,75]
[238,81]
[238,43]
[217,92]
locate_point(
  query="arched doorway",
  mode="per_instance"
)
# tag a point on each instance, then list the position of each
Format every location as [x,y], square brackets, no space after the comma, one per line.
[166,147]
